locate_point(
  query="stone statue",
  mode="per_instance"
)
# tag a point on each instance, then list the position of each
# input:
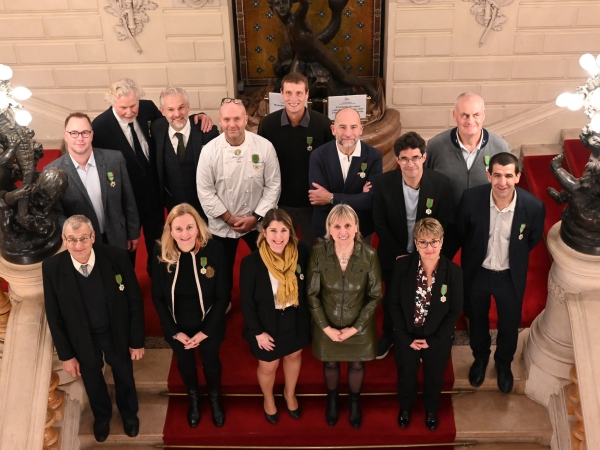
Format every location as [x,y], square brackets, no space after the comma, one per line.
[305,51]
[580,228]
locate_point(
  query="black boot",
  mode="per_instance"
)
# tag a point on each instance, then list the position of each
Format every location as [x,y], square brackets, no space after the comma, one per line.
[193,415]
[355,412]
[213,382]
[331,413]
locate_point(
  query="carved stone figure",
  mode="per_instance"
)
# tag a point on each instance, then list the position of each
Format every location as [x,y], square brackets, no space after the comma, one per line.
[305,51]
[580,227]
[487,13]
[132,17]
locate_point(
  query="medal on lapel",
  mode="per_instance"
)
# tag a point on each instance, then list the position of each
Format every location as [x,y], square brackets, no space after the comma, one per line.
[237,152]
[111,177]
[299,271]
[363,167]
[119,279]
[521,231]
[203,261]
[486,160]
[429,204]
[309,141]
[443,291]
[255,160]
[150,127]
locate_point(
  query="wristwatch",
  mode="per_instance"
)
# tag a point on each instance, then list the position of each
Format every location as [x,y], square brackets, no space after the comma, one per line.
[257,217]
[331,199]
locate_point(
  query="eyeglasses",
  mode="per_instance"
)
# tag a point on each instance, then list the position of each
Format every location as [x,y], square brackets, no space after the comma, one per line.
[434,244]
[84,133]
[237,101]
[83,240]
[414,160]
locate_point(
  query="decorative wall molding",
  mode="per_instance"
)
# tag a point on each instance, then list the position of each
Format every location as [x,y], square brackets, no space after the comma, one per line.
[487,13]
[195,3]
[132,17]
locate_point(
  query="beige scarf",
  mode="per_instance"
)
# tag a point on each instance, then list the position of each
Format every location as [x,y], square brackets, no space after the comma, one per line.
[284,271]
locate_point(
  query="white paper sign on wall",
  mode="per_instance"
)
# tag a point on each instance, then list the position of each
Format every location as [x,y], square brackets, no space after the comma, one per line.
[357,102]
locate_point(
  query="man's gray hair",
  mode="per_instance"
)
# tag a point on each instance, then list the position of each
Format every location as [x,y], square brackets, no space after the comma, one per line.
[171,90]
[75,222]
[123,88]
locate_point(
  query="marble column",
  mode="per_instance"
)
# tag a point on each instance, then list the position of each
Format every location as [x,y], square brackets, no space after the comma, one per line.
[27,360]
[548,352]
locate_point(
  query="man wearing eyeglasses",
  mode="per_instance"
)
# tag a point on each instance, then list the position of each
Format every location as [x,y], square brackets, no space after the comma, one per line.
[463,153]
[95,313]
[99,187]
[238,181]
[400,199]
[125,126]
[498,225]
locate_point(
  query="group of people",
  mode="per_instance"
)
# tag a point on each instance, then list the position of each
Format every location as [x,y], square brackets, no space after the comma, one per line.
[306,196]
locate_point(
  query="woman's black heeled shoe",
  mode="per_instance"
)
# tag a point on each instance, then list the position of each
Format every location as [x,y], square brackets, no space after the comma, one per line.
[213,382]
[294,413]
[404,418]
[272,418]
[193,414]
[331,413]
[355,411]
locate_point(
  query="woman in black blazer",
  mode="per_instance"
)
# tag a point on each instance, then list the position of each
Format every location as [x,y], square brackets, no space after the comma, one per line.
[191,294]
[426,298]
[273,291]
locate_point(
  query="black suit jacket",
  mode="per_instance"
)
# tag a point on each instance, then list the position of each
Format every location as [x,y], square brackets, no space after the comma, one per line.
[121,220]
[389,211]
[325,170]
[198,139]
[109,135]
[215,291]
[67,318]
[441,317]
[258,305]
[473,224]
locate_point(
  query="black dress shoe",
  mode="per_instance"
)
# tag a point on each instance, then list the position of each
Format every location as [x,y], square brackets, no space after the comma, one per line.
[404,418]
[355,411]
[331,413]
[431,420]
[505,379]
[272,418]
[383,347]
[131,427]
[477,372]
[193,414]
[101,430]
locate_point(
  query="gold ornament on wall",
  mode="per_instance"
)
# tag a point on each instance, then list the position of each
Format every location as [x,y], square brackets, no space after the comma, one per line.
[132,17]
[487,13]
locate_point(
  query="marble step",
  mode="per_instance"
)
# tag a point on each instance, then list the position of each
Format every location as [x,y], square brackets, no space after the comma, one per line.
[569,133]
[540,149]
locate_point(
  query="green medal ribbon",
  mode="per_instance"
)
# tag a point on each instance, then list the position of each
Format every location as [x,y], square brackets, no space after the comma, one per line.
[110,176]
[522,228]
[149,125]
[363,166]
[203,261]
[444,289]
[486,158]
[255,159]
[429,203]
[309,140]
[298,269]
[119,279]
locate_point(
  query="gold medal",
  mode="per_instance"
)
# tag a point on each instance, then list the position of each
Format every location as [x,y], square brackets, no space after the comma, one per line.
[302,276]
[362,174]
[309,141]
[520,237]
[111,178]
[113,184]
[203,271]
[443,299]
[428,211]
[210,272]
[429,204]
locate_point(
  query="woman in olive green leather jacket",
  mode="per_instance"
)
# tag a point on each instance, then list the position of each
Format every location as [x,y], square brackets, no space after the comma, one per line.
[344,289]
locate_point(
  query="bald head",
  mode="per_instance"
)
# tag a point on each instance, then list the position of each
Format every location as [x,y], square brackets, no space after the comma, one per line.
[469,115]
[469,97]
[347,129]
[233,120]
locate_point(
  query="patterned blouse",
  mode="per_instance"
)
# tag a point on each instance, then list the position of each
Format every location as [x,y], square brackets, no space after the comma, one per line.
[423,296]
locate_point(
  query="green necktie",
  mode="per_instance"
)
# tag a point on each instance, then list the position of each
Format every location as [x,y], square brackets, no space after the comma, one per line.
[180,147]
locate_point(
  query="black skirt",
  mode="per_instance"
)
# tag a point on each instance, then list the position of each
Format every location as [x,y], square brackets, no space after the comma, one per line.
[289,338]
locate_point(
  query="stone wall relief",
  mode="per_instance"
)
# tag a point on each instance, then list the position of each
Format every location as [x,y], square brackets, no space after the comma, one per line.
[193,3]
[132,17]
[487,13]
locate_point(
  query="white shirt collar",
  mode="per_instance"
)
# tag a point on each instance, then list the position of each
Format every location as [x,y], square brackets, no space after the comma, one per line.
[356,153]
[122,122]
[510,207]
[91,262]
[91,161]
[465,148]
[185,131]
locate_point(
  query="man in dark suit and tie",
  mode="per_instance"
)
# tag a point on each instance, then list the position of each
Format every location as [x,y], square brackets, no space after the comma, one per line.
[95,312]
[400,199]
[178,147]
[498,225]
[99,187]
[125,127]
[343,171]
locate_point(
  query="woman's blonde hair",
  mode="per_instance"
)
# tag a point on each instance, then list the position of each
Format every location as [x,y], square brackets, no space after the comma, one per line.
[168,247]
[346,212]
[278,215]
[428,227]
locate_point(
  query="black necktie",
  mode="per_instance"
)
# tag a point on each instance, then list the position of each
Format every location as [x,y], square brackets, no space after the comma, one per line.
[180,147]
[138,148]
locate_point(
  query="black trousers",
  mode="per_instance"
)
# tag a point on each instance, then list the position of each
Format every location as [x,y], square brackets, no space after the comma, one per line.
[152,220]
[231,245]
[388,326]
[434,362]
[302,220]
[209,350]
[95,386]
[499,284]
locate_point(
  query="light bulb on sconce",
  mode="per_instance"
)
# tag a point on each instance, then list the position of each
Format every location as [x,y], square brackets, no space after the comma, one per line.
[563,99]
[575,102]
[21,93]
[6,72]
[22,117]
[588,62]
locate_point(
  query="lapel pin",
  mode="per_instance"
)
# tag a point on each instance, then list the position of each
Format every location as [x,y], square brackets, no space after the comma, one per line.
[111,177]
[429,204]
[443,291]
[362,173]
[299,271]
[309,141]
[119,279]
[521,231]
[203,261]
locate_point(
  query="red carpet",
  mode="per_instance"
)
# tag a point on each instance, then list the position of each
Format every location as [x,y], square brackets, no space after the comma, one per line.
[577,156]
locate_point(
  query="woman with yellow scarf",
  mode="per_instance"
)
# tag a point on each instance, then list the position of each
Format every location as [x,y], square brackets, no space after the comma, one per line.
[277,320]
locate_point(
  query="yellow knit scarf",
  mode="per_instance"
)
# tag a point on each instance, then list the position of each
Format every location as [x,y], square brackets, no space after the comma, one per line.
[284,271]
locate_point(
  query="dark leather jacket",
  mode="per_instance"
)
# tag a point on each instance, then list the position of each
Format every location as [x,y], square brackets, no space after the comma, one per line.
[344,299]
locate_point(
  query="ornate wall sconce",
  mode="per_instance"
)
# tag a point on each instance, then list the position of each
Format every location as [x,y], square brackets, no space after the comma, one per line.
[9,97]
